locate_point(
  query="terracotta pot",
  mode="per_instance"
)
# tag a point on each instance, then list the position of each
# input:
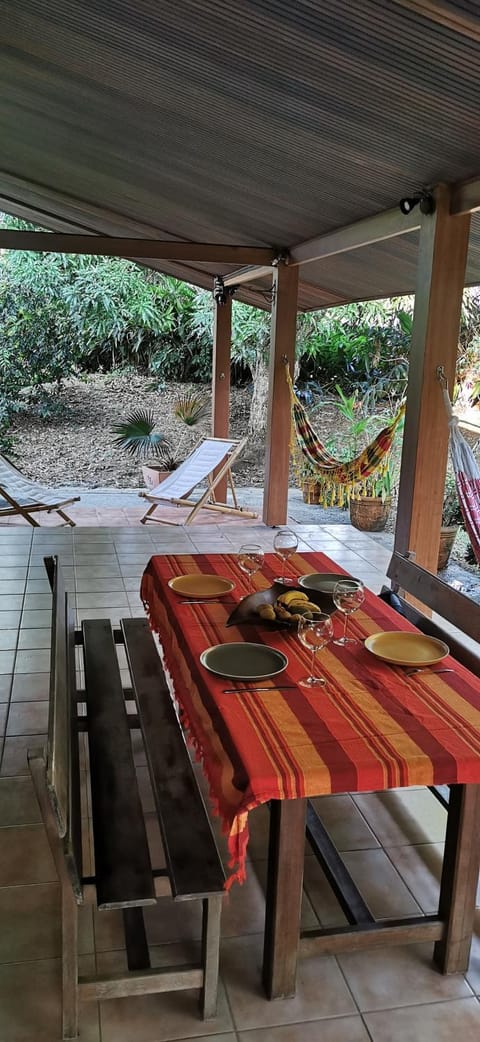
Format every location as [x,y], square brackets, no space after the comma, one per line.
[447,539]
[370,513]
[311,492]
[153,475]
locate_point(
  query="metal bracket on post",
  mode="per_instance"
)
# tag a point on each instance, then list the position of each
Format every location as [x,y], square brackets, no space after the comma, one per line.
[441,377]
[221,292]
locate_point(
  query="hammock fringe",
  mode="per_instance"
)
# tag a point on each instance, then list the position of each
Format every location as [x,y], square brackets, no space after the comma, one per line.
[337,481]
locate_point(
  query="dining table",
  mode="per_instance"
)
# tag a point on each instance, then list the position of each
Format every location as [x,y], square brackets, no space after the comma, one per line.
[373,726]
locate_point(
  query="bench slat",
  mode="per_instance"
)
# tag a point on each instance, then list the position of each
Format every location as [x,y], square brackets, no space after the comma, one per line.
[192,857]
[122,861]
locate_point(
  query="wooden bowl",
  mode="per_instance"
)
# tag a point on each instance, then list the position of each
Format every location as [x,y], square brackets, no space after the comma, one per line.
[246,611]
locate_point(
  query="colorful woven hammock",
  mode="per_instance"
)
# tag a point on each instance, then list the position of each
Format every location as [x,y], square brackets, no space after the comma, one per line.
[467,477]
[337,480]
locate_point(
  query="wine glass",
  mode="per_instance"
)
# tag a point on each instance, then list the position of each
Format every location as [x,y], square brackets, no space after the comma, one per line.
[285,545]
[314,633]
[348,595]
[250,559]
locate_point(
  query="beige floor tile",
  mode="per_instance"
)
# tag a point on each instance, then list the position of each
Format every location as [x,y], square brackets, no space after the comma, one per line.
[403,816]
[439,1022]
[27,718]
[420,867]
[18,802]
[403,976]
[25,856]
[380,885]
[158,1018]
[321,989]
[30,918]
[3,717]
[309,919]
[320,895]
[33,661]
[34,638]
[344,823]
[340,1029]
[7,659]
[5,686]
[30,1003]
[8,639]
[14,760]
[30,687]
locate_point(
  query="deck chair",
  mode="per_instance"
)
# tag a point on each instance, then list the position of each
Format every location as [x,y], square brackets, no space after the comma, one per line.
[20,495]
[210,462]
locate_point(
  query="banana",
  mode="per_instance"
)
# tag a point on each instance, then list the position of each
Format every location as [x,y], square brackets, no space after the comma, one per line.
[291,595]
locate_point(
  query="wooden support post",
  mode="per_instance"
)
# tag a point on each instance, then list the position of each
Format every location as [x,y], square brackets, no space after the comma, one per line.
[222,343]
[441,265]
[277,455]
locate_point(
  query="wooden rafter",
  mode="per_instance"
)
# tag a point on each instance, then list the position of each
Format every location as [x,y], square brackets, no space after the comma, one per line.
[248,274]
[385,225]
[119,246]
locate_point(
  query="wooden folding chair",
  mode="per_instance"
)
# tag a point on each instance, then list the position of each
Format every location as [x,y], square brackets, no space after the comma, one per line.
[25,497]
[210,461]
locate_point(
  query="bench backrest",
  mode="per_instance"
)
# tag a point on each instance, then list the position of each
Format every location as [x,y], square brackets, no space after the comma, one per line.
[62,760]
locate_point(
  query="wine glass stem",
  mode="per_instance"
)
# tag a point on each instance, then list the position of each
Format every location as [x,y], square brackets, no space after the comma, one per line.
[345,628]
[312,665]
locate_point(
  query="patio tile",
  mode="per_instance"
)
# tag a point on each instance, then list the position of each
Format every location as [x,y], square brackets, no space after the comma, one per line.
[11,586]
[14,760]
[18,802]
[9,619]
[35,618]
[8,640]
[34,601]
[380,885]
[420,867]
[33,639]
[5,686]
[114,614]
[30,1003]
[403,976]
[113,584]
[27,718]
[473,973]
[340,1029]
[7,659]
[30,687]
[3,717]
[321,988]
[344,823]
[11,602]
[13,571]
[403,816]
[102,600]
[440,1022]
[36,660]
[25,856]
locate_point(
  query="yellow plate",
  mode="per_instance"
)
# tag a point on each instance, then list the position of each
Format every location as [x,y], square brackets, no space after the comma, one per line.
[407,649]
[201,585]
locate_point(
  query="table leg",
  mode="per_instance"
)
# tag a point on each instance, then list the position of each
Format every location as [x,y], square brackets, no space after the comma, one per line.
[459,878]
[284,896]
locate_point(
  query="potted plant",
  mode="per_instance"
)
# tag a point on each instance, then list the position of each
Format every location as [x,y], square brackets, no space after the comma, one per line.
[370,507]
[137,436]
[452,519]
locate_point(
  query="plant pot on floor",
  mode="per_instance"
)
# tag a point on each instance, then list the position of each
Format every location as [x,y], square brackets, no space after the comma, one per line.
[370,513]
[447,539]
[153,475]
[311,492]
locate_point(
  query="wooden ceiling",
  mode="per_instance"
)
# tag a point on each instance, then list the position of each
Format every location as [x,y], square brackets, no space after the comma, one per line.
[265,122]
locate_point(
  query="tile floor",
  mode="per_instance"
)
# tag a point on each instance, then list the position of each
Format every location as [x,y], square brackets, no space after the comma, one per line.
[392,843]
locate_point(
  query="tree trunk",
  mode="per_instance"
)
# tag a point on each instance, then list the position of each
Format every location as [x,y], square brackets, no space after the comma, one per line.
[257,423]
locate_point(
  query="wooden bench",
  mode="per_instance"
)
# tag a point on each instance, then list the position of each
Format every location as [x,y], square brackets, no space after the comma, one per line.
[123,878]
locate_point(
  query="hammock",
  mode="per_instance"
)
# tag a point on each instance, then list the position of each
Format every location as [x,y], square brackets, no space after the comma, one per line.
[338,480]
[467,477]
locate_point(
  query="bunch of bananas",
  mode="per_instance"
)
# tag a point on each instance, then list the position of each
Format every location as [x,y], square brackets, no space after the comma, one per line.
[289,607]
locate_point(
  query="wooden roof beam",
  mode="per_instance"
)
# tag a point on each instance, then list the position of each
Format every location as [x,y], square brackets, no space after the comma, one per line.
[385,225]
[248,274]
[119,246]
[465,197]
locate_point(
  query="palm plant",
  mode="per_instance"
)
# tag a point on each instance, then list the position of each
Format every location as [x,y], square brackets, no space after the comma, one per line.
[136,435]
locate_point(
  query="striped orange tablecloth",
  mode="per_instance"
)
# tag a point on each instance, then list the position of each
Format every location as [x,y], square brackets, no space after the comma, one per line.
[371,728]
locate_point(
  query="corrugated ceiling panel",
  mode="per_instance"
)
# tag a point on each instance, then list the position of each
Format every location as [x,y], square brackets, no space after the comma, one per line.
[265,121]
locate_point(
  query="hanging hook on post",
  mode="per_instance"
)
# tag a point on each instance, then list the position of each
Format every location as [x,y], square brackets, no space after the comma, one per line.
[442,379]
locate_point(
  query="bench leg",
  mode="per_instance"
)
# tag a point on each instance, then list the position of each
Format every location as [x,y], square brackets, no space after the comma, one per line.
[459,878]
[212,910]
[69,964]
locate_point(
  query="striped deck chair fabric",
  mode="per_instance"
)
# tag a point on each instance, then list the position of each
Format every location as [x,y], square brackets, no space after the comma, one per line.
[23,496]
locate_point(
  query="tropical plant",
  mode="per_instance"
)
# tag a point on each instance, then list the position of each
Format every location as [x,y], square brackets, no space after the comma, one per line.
[451,510]
[136,434]
[190,407]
